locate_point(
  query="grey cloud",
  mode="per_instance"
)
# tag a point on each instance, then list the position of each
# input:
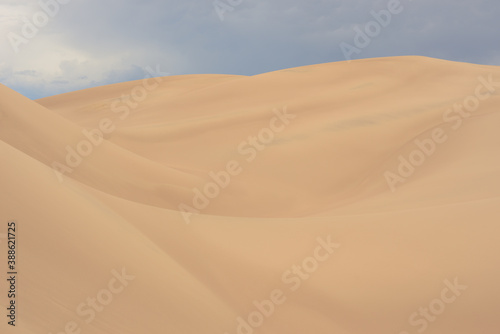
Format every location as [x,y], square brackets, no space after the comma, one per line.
[186,37]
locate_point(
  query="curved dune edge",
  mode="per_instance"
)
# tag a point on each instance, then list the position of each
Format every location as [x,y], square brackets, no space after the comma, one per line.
[336,172]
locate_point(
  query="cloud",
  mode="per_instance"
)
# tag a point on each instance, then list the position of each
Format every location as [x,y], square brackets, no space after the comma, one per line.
[90,43]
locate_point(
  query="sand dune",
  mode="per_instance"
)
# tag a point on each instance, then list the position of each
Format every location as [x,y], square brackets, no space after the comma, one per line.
[379,178]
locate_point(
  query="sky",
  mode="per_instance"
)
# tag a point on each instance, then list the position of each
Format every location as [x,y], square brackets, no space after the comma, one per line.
[50,47]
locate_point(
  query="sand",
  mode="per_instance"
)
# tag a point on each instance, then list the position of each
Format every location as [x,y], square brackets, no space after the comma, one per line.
[356,197]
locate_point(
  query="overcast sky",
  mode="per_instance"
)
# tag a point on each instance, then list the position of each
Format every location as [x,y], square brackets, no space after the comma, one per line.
[90,43]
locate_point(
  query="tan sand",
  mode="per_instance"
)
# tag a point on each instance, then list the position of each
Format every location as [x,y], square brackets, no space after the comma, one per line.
[377,158]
